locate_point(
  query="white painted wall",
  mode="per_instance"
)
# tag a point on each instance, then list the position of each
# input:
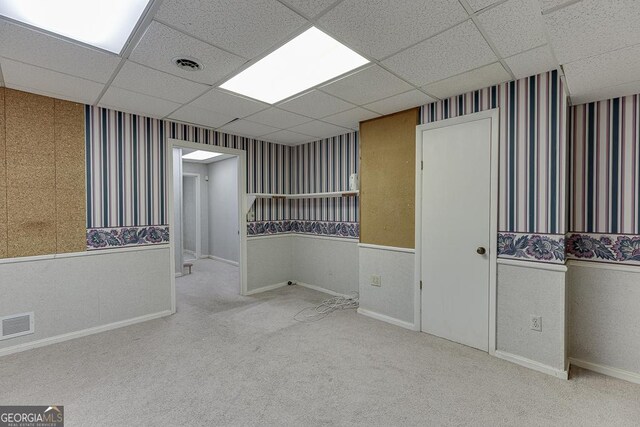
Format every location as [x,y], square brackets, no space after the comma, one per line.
[604,315]
[202,170]
[72,293]
[224,240]
[524,291]
[189,213]
[177,208]
[394,299]
[328,263]
[270,261]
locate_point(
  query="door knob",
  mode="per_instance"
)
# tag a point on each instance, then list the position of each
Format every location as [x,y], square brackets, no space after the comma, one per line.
[481,250]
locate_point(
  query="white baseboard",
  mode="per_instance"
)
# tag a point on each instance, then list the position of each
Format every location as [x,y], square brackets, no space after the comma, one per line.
[226,261]
[82,333]
[388,319]
[632,377]
[532,364]
[321,289]
[266,288]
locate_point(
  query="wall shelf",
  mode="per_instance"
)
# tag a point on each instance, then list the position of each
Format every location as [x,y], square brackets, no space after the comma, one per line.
[326,195]
[251,197]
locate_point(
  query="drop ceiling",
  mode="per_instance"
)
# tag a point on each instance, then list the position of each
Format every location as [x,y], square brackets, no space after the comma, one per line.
[420,51]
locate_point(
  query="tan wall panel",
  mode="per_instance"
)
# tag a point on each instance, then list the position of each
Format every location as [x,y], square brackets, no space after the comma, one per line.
[31,238]
[387,180]
[29,122]
[71,236]
[45,183]
[70,177]
[31,170]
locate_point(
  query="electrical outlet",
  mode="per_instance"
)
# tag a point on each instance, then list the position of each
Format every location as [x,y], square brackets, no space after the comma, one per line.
[536,323]
[376,280]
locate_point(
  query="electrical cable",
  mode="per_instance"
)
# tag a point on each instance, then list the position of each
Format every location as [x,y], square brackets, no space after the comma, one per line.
[328,306]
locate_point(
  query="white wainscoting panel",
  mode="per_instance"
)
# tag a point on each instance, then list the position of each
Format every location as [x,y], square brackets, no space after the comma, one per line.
[394,299]
[523,292]
[72,294]
[329,264]
[604,317]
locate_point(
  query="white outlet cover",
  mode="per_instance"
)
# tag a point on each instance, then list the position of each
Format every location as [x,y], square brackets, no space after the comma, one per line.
[536,323]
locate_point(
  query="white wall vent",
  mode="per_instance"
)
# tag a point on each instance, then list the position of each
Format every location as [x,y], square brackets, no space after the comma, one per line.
[16,325]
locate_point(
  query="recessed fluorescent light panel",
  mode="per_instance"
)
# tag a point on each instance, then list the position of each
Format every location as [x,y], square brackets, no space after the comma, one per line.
[306,61]
[201,155]
[106,24]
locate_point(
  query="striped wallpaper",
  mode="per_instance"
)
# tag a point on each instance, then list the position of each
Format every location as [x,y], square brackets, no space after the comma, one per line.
[324,166]
[533,144]
[126,167]
[605,167]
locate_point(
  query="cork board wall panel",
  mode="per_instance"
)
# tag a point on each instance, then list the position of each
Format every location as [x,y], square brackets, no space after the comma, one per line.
[3,182]
[30,174]
[387,180]
[71,225]
[45,190]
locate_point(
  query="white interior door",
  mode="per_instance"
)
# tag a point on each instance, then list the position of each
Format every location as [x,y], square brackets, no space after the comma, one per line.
[455,240]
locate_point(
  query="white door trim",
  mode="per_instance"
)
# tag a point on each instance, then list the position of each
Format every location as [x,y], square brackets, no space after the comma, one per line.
[242,208]
[493,246]
[198,214]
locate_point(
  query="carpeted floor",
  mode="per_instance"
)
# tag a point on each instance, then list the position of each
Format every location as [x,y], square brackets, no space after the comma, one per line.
[224,359]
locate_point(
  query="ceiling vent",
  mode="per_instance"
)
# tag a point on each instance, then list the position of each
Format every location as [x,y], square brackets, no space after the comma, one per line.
[188,64]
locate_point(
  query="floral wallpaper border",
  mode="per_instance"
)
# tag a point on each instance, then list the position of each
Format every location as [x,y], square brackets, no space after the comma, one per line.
[614,248]
[547,248]
[120,237]
[349,230]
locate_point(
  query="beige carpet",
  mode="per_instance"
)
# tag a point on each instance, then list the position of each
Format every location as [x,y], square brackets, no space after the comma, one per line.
[230,360]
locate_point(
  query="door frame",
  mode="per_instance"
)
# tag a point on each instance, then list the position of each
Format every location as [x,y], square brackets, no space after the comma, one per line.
[198,213]
[494,115]
[242,207]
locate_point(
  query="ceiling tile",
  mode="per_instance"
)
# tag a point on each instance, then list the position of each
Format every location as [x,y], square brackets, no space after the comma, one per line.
[226,103]
[486,76]
[316,104]
[199,116]
[453,52]
[146,80]
[247,128]
[606,70]
[514,26]
[244,27]
[531,62]
[592,27]
[287,137]
[545,5]
[320,129]
[382,27]
[477,5]
[39,49]
[309,8]
[137,103]
[278,118]
[161,44]
[404,101]
[351,118]
[368,85]
[49,83]
[607,93]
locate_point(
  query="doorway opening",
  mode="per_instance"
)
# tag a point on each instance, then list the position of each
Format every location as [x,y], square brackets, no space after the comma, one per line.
[207,220]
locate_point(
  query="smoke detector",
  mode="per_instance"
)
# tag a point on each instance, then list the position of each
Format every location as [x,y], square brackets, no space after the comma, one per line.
[187,64]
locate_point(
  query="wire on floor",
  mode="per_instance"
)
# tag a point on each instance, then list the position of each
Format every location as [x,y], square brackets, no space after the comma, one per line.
[328,306]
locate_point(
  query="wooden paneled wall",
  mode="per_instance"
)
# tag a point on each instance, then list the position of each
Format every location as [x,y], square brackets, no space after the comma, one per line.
[42,182]
[387,179]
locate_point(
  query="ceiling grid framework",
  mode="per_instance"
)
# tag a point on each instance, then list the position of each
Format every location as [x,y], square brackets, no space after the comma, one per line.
[419,51]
